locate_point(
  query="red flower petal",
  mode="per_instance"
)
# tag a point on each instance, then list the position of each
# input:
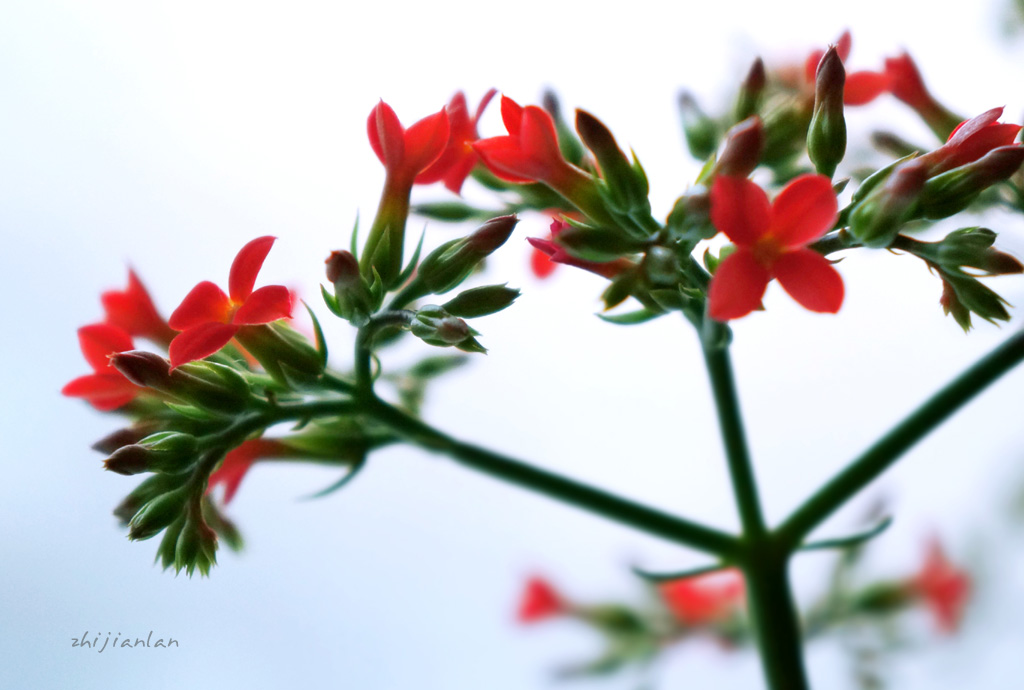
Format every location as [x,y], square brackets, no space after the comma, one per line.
[864,87]
[200,341]
[810,279]
[969,128]
[425,140]
[387,136]
[704,599]
[269,303]
[803,211]
[511,115]
[133,310]
[540,263]
[944,587]
[246,267]
[539,140]
[105,392]
[740,209]
[205,303]
[100,340]
[540,600]
[483,106]
[737,287]
[503,157]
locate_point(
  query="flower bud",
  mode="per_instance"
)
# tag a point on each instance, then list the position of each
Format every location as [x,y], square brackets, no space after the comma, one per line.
[826,137]
[148,490]
[124,437]
[744,143]
[196,546]
[598,244]
[567,141]
[435,326]
[701,131]
[207,385]
[877,219]
[353,299]
[785,121]
[448,265]
[628,190]
[165,451]
[749,99]
[143,368]
[481,301]
[955,190]
[283,352]
[157,514]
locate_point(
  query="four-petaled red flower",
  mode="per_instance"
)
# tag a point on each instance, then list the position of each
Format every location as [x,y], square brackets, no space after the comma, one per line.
[133,311]
[771,242]
[529,153]
[540,600]
[237,462]
[547,253]
[406,153]
[703,599]
[208,319]
[861,87]
[944,588]
[969,141]
[458,158]
[106,388]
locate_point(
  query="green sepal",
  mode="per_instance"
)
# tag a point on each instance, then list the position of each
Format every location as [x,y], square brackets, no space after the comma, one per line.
[410,268]
[452,211]
[318,332]
[631,318]
[354,470]
[331,302]
[353,245]
[851,541]
[659,578]
[189,411]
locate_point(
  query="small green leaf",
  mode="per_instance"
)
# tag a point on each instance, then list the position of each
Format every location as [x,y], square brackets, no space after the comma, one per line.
[850,541]
[631,318]
[345,479]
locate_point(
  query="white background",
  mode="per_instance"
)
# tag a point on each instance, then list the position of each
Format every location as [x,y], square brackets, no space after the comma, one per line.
[166,135]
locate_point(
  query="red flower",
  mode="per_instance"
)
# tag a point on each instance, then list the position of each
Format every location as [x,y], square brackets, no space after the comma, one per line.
[132,310]
[209,319]
[969,141]
[458,158]
[530,152]
[944,588]
[861,87]
[106,388]
[704,599]
[540,601]
[771,242]
[406,153]
[237,462]
[906,83]
[547,253]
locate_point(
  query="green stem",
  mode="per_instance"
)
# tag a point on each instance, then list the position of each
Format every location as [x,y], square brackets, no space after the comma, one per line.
[773,613]
[723,386]
[879,457]
[614,508]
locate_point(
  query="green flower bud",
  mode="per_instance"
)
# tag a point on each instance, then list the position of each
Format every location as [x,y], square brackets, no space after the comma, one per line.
[627,187]
[481,301]
[435,326]
[451,263]
[749,99]
[165,451]
[826,137]
[876,220]
[157,514]
[701,132]
[284,352]
[955,190]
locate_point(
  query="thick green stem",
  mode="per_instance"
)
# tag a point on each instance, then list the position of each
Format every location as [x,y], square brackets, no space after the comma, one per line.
[900,439]
[614,508]
[773,615]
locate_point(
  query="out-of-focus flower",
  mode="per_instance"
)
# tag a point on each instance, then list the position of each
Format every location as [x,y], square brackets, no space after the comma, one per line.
[540,601]
[237,462]
[132,310]
[553,253]
[458,158]
[208,319]
[704,599]
[907,84]
[771,242]
[944,588]
[106,388]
